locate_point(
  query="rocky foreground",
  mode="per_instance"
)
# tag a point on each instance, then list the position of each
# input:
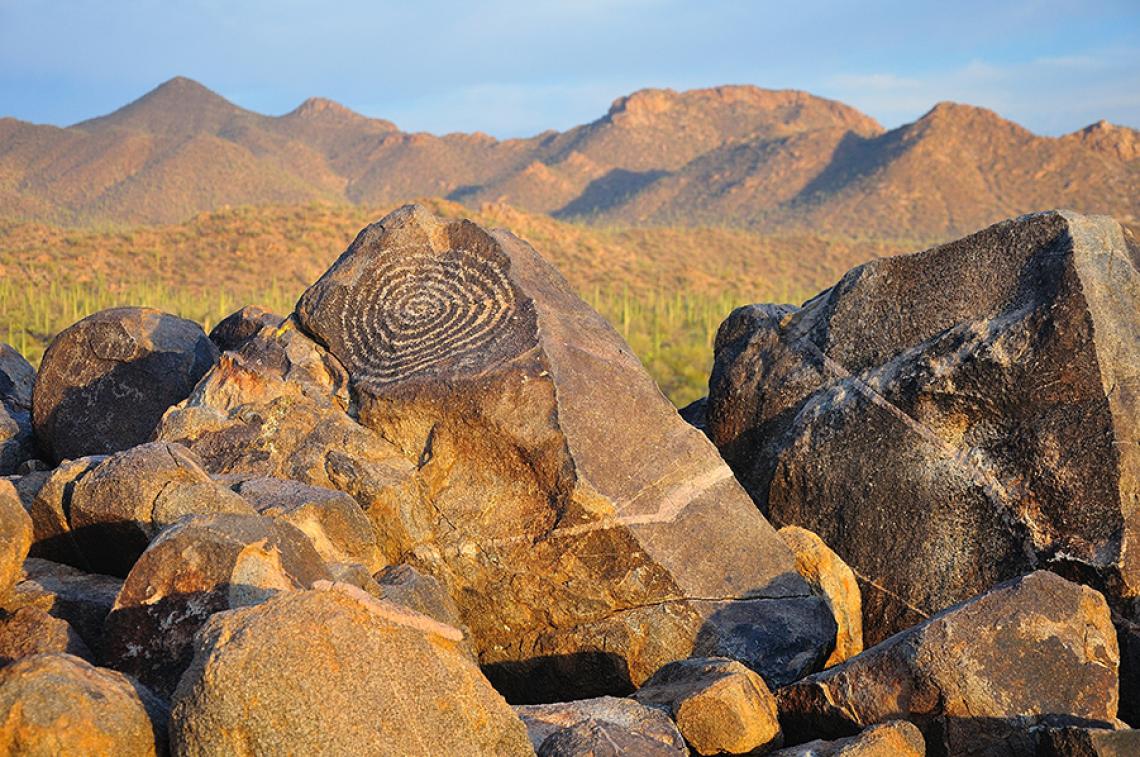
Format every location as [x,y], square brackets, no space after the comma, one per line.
[442,509]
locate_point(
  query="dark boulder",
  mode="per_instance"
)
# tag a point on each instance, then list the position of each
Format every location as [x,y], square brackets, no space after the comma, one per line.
[951,419]
[238,327]
[605,726]
[17,440]
[82,599]
[105,382]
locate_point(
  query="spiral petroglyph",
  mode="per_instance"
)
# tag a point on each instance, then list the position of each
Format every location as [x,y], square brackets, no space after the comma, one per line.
[417,310]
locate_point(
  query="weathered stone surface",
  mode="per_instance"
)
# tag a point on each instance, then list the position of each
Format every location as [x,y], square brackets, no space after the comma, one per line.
[47,498]
[601,726]
[950,419]
[195,568]
[81,599]
[1074,741]
[276,408]
[105,382]
[57,704]
[15,535]
[580,529]
[17,441]
[31,630]
[238,327]
[260,683]
[406,586]
[896,738]
[332,520]
[720,706]
[976,677]
[832,579]
[122,504]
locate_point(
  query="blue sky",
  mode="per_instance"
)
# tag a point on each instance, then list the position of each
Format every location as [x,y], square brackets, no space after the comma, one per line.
[516,68]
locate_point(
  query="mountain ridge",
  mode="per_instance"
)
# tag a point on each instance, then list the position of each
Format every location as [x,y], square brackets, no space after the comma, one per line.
[735,155]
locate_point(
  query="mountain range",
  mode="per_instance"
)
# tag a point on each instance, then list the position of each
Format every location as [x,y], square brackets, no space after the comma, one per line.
[768,160]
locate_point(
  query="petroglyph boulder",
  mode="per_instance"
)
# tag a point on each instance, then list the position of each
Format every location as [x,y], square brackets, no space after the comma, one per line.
[578,522]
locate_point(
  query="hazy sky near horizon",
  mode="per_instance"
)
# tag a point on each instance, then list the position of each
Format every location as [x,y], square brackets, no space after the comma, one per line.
[514,68]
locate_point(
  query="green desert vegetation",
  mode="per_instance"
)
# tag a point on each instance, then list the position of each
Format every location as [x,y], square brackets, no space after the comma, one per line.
[666,290]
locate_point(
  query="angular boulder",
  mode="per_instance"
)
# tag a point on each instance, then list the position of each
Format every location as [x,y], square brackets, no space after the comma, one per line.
[17,440]
[15,535]
[127,499]
[720,706]
[58,704]
[896,738]
[333,521]
[833,580]
[406,586]
[200,566]
[105,381]
[951,419]
[576,519]
[81,599]
[601,726]
[260,683]
[239,327]
[976,677]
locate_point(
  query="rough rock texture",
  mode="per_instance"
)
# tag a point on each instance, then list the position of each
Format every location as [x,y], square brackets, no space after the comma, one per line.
[1073,741]
[406,586]
[17,441]
[15,535]
[47,498]
[567,519]
[720,706]
[260,683]
[105,382]
[332,520]
[31,630]
[951,419]
[197,567]
[601,726]
[121,505]
[833,580]
[57,704]
[239,327]
[276,408]
[81,599]
[896,738]
[976,677]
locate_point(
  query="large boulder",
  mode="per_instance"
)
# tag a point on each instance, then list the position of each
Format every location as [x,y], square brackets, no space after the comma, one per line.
[198,567]
[15,535]
[127,499]
[336,671]
[17,440]
[577,520]
[951,419]
[1075,741]
[977,677]
[57,704]
[720,706]
[81,599]
[105,381]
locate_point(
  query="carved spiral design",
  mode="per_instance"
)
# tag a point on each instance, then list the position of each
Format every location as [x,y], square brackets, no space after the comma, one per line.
[423,310]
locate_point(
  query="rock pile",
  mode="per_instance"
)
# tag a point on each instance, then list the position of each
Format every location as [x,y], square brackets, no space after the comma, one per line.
[441,509]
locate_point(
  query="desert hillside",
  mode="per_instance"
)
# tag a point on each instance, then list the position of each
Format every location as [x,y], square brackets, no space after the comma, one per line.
[768,160]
